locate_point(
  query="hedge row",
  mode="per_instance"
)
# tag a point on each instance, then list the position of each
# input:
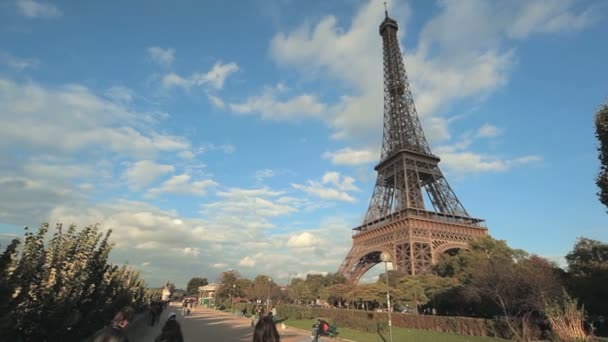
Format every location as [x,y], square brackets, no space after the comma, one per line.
[377,321]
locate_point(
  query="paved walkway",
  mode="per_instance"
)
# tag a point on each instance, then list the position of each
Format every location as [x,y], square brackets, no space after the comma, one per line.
[209,325]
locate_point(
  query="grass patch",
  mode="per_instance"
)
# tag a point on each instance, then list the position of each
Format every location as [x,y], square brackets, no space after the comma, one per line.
[399,334]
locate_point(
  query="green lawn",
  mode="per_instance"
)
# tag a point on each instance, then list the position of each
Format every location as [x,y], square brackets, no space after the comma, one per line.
[399,334]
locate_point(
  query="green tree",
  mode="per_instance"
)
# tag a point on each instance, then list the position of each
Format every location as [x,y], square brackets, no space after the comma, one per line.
[299,291]
[497,279]
[227,279]
[588,274]
[194,284]
[601,133]
[63,289]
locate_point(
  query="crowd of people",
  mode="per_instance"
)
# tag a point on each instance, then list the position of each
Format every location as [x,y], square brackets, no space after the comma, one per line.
[265,325]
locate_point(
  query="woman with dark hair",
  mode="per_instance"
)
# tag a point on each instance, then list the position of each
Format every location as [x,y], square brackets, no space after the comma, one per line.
[171,331]
[266,331]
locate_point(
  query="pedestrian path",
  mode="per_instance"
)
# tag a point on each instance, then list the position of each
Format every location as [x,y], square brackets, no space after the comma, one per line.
[205,324]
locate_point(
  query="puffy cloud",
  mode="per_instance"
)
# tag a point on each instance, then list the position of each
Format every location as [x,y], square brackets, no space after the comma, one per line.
[270,107]
[37,9]
[161,56]
[71,119]
[488,131]
[120,94]
[332,186]
[247,262]
[260,175]
[463,162]
[303,240]
[181,184]
[349,156]
[216,101]
[214,77]
[144,172]
[17,63]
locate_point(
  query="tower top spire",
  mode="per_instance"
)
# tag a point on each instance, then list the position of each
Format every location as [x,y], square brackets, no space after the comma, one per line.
[385,10]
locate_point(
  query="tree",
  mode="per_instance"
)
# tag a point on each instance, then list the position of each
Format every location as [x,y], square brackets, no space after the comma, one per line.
[588,274]
[299,291]
[63,288]
[194,284]
[601,133]
[227,279]
[499,280]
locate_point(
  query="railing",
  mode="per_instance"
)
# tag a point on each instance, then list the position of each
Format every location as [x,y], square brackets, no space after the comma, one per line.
[420,213]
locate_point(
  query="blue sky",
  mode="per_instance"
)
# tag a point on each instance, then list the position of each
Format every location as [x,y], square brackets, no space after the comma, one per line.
[244,135]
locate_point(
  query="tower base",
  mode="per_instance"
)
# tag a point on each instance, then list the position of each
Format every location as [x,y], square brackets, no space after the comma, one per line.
[414,238]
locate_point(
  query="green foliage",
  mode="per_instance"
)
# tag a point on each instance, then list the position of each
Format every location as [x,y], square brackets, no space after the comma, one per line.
[65,290]
[601,133]
[227,279]
[588,274]
[496,280]
[371,322]
[194,284]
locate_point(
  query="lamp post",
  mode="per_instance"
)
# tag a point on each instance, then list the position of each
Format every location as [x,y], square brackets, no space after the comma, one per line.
[232,299]
[386,257]
[268,301]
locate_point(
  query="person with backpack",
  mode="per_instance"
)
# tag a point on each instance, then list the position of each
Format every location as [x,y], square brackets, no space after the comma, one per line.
[171,331]
[319,329]
[115,331]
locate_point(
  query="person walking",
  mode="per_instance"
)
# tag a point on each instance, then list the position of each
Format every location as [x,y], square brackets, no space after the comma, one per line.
[171,331]
[266,331]
[115,332]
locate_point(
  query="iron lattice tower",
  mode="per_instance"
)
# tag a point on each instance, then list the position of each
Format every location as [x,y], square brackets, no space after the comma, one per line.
[397,220]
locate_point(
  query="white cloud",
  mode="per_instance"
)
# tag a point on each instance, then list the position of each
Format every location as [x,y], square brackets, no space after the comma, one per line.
[219,265]
[144,172]
[303,240]
[182,185]
[216,101]
[70,119]
[332,186]
[488,131]
[226,148]
[247,262]
[186,154]
[17,63]
[36,9]
[145,263]
[269,107]
[190,251]
[161,56]
[349,156]
[260,204]
[214,77]
[463,162]
[260,175]
[120,94]
[549,17]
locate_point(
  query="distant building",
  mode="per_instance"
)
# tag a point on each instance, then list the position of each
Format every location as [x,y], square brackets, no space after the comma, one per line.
[167,291]
[207,294]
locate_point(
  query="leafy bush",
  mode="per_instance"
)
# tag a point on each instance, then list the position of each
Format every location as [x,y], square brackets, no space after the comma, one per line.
[372,322]
[65,290]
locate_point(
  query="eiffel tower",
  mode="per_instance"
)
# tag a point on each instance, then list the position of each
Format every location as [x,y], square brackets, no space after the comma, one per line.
[397,220]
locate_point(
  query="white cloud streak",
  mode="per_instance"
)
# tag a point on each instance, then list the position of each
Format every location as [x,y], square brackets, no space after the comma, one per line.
[214,78]
[161,56]
[38,9]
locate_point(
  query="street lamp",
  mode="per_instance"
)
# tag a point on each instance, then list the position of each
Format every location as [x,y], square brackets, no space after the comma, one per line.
[268,301]
[386,257]
[232,299]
